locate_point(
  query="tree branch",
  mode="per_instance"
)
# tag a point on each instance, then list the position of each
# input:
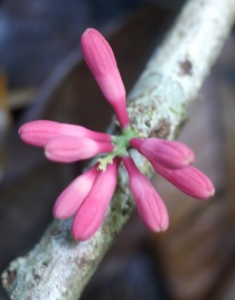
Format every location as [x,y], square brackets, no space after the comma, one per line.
[59,267]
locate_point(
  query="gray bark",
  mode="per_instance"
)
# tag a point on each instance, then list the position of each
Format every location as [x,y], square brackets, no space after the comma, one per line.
[59,267]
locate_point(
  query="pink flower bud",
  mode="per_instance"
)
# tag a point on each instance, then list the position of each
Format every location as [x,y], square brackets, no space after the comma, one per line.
[38,133]
[170,154]
[101,61]
[149,204]
[92,211]
[72,197]
[69,148]
[189,180]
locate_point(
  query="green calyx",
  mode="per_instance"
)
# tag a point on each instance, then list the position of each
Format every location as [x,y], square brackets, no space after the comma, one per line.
[121,145]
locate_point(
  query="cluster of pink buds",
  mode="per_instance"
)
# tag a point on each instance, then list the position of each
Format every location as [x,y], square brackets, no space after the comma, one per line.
[88,196]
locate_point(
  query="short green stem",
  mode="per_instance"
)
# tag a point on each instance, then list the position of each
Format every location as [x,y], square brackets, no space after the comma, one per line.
[121,146]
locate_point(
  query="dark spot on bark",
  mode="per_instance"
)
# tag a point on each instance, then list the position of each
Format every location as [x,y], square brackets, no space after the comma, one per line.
[162,130]
[128,207]
[186,68]
[45,263]
[125,212]
[11,276]
[36,277]
[147,123]
[82,262]
[56,232]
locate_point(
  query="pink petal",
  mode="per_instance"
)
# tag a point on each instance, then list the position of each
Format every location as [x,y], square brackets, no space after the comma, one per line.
[72,197]
[91,213]
[170,154]
[189,180]
[69,148]
[150,206]
[38,133]
[101,61]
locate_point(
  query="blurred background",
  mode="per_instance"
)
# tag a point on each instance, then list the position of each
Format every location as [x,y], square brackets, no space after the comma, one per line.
[43,76]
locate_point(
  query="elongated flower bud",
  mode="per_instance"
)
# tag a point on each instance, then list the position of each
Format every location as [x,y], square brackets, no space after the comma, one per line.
[69,148]
[91,213]
[101,61]
[38,133]
[189,180]
[170,154]
[72,197]
[149,204]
